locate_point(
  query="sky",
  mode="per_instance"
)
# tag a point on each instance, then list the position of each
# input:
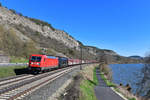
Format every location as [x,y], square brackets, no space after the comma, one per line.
[119,25]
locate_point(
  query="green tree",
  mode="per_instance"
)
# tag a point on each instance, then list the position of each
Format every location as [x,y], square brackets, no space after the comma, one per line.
[0,4]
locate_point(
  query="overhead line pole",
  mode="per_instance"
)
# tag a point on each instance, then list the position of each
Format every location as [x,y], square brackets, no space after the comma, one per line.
[81,58]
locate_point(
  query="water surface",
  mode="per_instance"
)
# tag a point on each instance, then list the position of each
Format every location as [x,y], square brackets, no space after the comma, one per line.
[127,74]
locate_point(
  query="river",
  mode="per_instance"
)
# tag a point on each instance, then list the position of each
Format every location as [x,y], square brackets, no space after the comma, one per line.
[132,74]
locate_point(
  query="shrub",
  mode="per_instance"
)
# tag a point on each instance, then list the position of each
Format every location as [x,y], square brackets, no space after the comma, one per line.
[13,11]
[107,71]
[39,22]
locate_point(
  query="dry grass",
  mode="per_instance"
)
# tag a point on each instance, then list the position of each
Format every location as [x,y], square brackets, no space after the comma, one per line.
[123,90]
[87,72]
[12,45]
[127,94]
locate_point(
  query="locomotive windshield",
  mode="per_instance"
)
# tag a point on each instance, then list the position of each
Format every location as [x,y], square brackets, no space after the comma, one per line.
[35,59]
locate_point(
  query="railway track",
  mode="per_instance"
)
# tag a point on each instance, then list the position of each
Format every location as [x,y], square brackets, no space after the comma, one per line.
[17,88]
[13,81]
[12,77]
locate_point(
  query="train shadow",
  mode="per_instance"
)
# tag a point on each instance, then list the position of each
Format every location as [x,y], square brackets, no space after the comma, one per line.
[21,71]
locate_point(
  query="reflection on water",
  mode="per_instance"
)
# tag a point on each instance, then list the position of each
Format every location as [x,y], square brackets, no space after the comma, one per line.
[131,74]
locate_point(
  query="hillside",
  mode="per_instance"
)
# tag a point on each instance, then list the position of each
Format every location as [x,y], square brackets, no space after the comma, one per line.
[136,57]
[21,36]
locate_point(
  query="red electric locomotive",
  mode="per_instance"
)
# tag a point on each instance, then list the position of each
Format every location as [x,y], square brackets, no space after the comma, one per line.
[38,63]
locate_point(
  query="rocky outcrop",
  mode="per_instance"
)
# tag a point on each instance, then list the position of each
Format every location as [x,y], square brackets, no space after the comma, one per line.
[97,51]
[9,17]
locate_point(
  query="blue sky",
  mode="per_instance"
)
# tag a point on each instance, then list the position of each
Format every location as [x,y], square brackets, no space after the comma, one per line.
[120,25]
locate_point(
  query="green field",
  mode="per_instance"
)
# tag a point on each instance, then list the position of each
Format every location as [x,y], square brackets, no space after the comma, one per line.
[12,71]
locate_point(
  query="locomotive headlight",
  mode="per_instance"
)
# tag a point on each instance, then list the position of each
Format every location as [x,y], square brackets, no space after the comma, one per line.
[31,62]
[38,63]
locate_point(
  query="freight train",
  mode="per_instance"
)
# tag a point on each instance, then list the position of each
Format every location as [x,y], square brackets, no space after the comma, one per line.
[41,63]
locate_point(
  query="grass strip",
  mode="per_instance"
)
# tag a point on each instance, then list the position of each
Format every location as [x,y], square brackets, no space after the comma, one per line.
[10,70]
[18,60]
[87,88]
[131,99]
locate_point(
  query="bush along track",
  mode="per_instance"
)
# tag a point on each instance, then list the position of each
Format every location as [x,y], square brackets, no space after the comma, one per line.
[106,75]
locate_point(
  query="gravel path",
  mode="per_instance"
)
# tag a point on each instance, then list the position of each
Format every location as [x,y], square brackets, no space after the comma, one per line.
[46,92]
[103,92]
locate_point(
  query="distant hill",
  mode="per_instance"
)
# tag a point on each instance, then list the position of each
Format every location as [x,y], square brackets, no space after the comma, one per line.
[136,57]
